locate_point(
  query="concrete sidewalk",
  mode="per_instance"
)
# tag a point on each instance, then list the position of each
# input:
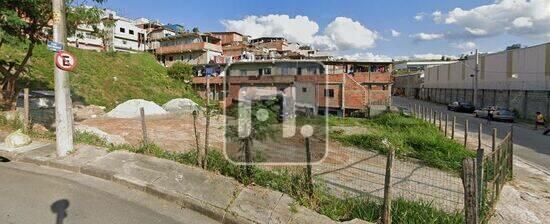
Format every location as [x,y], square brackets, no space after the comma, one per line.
[219,197]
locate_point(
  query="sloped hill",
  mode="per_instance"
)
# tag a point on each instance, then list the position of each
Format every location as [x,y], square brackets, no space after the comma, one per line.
[104,78]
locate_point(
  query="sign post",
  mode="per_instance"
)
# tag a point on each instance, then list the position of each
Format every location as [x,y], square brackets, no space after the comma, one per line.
[63,104]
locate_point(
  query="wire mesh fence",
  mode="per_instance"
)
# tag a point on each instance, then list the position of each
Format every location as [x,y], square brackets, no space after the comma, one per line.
[497,170]
[356,172]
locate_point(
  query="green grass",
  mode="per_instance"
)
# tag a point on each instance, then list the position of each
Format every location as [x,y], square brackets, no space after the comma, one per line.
[410,136]
[293,184]
[138,75]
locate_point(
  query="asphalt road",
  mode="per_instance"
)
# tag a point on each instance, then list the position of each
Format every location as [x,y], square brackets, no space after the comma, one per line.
[33,194]
[530,145]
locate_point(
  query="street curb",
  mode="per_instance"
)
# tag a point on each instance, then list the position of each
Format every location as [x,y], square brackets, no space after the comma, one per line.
[223,215]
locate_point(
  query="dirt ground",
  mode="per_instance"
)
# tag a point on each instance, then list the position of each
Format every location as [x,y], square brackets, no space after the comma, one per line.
[173,133]
[526,199]
[346,170]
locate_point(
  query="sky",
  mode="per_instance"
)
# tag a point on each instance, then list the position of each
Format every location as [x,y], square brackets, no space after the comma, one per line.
[361,29]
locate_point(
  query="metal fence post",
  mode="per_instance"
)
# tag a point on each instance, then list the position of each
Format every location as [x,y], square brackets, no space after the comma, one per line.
[470,190]
[386,216]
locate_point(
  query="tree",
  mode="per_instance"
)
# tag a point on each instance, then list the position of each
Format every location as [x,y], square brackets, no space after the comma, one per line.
[24,22]
[104,31]
[196,30]
[260,120]
[181,71]
[81,15]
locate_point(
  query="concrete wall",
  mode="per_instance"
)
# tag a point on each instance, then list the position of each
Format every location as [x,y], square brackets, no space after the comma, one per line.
[407,85]
[524,102]
[518,69]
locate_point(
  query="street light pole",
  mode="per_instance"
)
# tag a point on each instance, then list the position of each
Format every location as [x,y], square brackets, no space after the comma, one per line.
[63,104]
[475,79]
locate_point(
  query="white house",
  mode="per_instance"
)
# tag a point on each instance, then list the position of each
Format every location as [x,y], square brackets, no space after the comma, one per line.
[126,35]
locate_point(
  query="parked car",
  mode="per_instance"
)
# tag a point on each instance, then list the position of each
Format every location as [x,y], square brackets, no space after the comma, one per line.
[461,107]
[500,113]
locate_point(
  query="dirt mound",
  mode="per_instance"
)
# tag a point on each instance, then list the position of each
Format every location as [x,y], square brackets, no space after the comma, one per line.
[181,105]
[130,109]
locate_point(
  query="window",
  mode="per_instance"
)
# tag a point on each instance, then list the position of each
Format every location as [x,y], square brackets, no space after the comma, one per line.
[299,71]
[267,71]
[285,71]
[170,58]
[122,30]
[329,93]
[260,71]
[304,89]
[242,72]
[131,32]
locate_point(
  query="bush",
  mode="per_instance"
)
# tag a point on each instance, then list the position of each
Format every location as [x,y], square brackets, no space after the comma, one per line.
[181,71]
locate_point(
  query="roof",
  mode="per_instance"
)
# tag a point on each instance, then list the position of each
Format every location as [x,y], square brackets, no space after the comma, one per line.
[226,32]
[183,35]
[339,62]
[174,27]
[267,38]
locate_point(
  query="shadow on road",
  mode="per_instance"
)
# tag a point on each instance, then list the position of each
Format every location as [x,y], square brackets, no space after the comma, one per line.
[4,159]
[60,208]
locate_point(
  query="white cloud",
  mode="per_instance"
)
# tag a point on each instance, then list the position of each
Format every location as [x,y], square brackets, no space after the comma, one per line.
[335,37]
[519,17]
[297,29]
[522,22]
[476,31]
[367,56]
[348,34]
[437,16]
[427,36]
[419,16]
[395,33]
[466,46]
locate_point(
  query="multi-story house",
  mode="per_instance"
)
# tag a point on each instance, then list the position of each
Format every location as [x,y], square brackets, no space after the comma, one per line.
[336,87]
[84,38]
[191,48]
[155,31]
[125,35]
[229,37]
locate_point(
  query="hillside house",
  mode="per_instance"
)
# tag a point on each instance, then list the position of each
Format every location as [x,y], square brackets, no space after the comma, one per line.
[191,48]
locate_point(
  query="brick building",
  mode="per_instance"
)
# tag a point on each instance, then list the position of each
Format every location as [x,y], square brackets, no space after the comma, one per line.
[336,87]
[191,48]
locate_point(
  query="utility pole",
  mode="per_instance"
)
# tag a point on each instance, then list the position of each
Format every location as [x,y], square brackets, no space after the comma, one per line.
[476,79]
[63,104]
